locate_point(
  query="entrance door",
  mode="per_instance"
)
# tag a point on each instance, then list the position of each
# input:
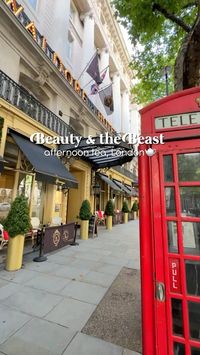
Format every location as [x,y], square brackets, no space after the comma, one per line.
[176,194]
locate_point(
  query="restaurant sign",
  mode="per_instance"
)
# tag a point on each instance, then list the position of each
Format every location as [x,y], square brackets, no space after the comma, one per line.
[58,237]
[29,25]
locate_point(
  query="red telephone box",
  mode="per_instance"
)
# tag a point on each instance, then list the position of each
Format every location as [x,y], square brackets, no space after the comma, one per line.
[170,226]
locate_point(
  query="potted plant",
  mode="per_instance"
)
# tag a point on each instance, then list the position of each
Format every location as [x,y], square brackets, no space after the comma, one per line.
[134,209]
[109,212]
[125,211]
[84,215]
[17,224]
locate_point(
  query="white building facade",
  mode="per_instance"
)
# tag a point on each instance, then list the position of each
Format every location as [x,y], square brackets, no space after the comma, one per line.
[75,30]
[45,48]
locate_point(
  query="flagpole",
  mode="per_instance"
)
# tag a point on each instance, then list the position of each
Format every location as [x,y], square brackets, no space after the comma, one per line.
[105,87]
[93,79]
[87,65]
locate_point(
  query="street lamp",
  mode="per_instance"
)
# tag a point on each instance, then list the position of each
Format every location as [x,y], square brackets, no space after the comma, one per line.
[166,71]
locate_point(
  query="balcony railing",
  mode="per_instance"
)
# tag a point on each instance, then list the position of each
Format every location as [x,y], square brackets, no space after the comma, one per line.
[19,97]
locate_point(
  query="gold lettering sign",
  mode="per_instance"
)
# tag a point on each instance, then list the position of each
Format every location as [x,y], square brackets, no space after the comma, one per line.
[44,43]
[57,61]
[68,76]
[84,96]
[17,9]
[77,86]
[14,7]
[31,28]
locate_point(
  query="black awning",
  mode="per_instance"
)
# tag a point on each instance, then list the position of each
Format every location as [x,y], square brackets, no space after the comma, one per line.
[122,187]
[101,155]
[2,162]
[132,190]
[108,181]
[46,167]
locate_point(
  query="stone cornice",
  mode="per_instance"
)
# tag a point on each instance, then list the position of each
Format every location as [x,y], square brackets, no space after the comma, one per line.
[114,28]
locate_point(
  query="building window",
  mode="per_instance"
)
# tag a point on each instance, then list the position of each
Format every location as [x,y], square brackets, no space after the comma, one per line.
[33,3]
[70,41]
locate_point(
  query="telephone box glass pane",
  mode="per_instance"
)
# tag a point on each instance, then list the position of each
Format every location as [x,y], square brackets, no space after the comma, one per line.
[195,351]
[170,201]
[188,167]
[190,201]
[168,168]
[191,237]
[193,277]
[194,319]
[179,349]
[172,237]
[177,316]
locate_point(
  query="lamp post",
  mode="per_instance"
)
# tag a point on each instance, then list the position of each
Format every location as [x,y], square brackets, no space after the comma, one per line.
[166,71]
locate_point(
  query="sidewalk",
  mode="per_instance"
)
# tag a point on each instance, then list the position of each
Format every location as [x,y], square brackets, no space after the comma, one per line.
[45,305]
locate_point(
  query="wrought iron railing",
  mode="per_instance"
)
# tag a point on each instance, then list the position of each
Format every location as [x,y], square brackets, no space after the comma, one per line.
[19,97]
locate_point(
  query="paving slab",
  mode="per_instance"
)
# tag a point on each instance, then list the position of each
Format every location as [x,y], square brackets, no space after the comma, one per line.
[113,260]
[130,352]
[87,255]
[20,276]
[50,283]
[71,313]
[32,301]
[38,337]
[46,267]
[71,272]
[7,289]
[85,264]
[61,259]
[98,278]
[10,321]
[84,292]
[117,318]
[108,269]
[86,345]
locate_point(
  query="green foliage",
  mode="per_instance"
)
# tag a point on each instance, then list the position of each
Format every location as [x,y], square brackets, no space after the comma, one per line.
[18,219]
[135,206]
[85,211]
[125,208]
[109,210]
[157,41]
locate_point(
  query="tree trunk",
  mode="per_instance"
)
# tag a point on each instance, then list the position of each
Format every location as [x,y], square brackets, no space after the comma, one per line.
[187,66]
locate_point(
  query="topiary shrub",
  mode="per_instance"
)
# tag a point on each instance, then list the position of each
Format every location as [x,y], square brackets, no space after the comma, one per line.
[135,206]
[125,208]
[85,211]
[109,210]
[18,219]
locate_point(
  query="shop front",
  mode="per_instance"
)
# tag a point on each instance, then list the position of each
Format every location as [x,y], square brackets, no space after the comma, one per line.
[44,180]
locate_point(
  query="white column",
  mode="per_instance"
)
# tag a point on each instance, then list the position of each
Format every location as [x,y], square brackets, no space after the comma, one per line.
[125,112]
[104,63]
[116,116]
[59,30]
[88,48]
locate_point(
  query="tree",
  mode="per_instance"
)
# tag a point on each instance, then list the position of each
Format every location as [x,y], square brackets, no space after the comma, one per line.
[18,219]
[125,208]
[166,33]
[85,211]
[109,210]
[135,206]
